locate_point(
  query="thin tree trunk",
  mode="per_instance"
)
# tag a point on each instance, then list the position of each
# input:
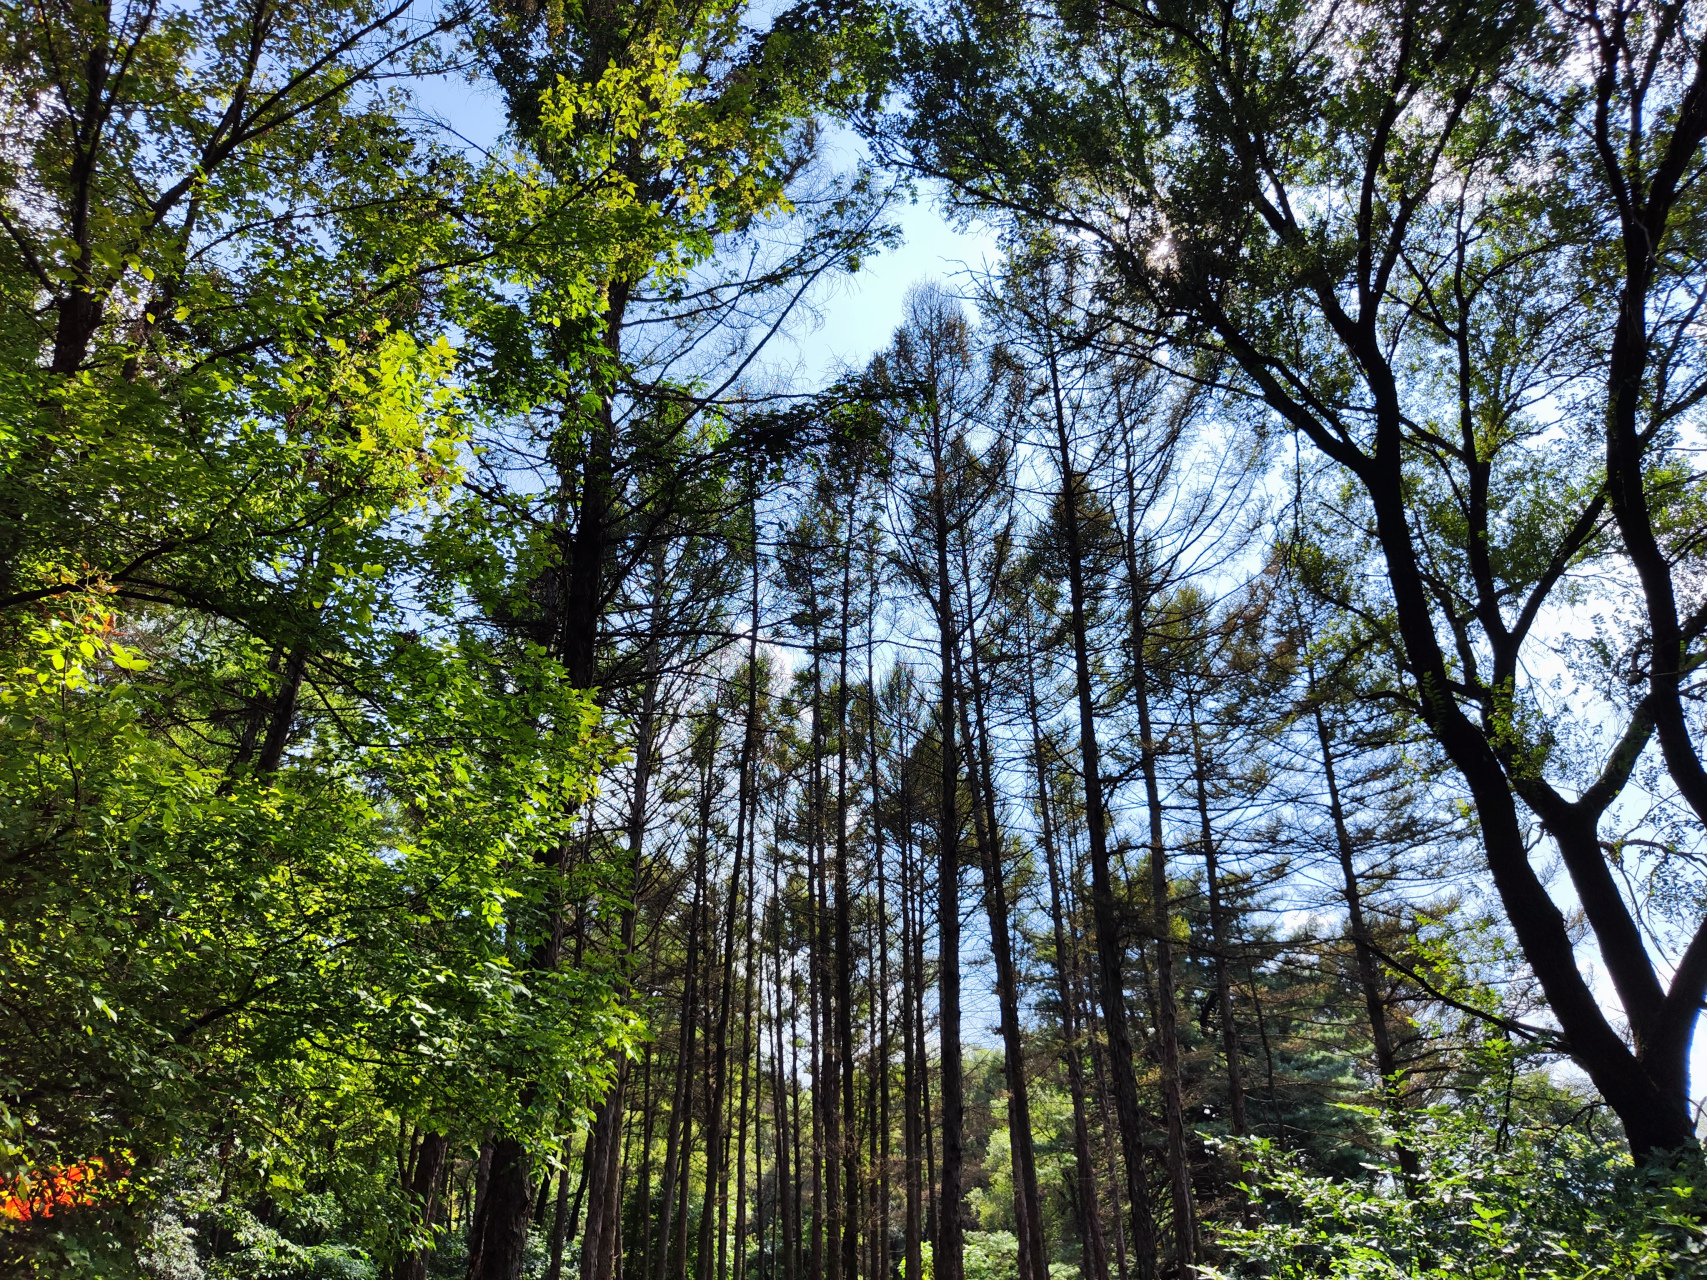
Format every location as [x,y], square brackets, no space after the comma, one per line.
[599,1237]
[1100,1076]
[912,1046]
[786,1231]
[1217,929]
[845,1135]
[948,1249]
[426,1177]
[1033,1258]
[1104,911]
[678,1252]
[1268,1057]
[679,1263]
[649,1109]
[563,1220]
[1363,942]
[1167,1010]
[681,1111]
[880,1252]
[818,997]
[747,1050]
[927,1128]
[1090,1219]
[747,802]
[1066,966]
[715,1144]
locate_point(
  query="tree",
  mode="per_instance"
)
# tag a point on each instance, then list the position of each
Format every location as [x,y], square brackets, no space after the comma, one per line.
[1443,333]
[198,200]
[932,374]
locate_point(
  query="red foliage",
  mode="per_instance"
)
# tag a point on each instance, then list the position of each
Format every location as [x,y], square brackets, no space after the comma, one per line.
[38,1195]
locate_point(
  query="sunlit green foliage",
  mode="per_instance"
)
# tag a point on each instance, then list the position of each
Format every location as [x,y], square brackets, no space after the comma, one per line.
[1535,1198]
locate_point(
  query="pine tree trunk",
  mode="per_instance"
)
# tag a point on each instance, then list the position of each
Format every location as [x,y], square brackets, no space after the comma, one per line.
[1110,945]
[1033,1256]
[1090,1219]
[948,1249]
[563,1220]
[1109,1128]
[818,997]
[1090,1212]
[1224,995]
[681,1113]
[912,1047]
[599,1237]
[643,1196]
[787,1231]
[1217,929]
[715,1181]
[1167,1009]
[748,1048]
[880,1156]
[845,1134]
[1363,944]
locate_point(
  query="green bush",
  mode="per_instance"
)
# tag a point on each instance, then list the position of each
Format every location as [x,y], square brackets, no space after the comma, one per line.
[992,1255]
[1486,1204]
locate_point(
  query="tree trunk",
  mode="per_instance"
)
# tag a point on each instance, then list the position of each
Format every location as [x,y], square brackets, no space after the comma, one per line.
[702,859]
[714,1151]
[748,1047]
[424,1184]
[1087,1002]
[501,1223]
[1363,945]
[1167,1010]
[818,997]
[880,1252]
[1090,1219]
[681,1111]
[948,1249]
[1033,1257]
[1104,911]
[787,1230]
[845,1134]
[563,1221]
[912,1045]
[643,1194]
[598,1239]
[1218,931]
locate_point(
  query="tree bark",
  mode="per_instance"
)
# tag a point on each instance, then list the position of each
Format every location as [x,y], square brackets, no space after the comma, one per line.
[1095,1265]
[1218,930]
[424,1185]
[948,1249]
[880,1258]
[1167,1009]
[1033,1256]
[787,1229]
[1104,911]
[681,1111]
[847,1133]
[714,1151]
[1363,942]
[912,1045]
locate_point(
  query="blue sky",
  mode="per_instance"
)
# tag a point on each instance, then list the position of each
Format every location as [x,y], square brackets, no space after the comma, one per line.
[855,316]
[861,313]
